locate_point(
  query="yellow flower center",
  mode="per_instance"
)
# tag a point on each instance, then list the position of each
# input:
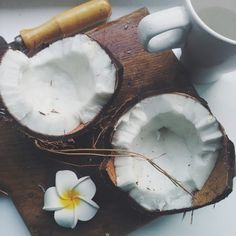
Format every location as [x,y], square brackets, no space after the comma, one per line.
[70,199]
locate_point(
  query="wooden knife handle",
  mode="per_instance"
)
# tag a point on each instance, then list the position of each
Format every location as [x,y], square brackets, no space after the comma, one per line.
[67,23]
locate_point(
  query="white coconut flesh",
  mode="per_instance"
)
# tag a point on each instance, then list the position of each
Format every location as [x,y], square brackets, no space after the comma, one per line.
[60,88]
[178,134]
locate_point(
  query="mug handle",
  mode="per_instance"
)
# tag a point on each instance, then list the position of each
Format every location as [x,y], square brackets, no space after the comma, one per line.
[164,29]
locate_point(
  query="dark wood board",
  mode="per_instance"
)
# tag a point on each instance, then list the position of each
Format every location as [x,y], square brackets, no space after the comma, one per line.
[24,168]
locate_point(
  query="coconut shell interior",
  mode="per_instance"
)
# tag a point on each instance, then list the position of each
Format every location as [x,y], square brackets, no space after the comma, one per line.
[82,127]
[144,74]
[216,188]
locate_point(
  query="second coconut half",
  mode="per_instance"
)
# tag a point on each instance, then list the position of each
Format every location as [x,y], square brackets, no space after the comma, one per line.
[178,135]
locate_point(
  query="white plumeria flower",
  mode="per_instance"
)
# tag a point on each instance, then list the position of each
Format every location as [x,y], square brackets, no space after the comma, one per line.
[71,199]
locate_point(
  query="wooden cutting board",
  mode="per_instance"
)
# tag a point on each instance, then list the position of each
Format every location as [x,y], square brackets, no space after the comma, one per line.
[24,170]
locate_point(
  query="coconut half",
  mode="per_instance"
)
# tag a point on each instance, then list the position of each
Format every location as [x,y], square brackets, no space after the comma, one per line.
[178,134]
[61,88]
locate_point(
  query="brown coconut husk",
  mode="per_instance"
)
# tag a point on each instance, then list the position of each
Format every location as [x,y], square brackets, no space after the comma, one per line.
[142,75]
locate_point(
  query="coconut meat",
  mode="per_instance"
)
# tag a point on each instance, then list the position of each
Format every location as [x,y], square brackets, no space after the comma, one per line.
[177,133]
[60,88]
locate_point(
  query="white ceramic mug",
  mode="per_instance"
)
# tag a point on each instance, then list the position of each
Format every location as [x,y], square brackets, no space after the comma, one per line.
[204,29]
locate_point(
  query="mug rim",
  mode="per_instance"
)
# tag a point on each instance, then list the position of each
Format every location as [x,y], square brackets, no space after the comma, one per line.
[206,27]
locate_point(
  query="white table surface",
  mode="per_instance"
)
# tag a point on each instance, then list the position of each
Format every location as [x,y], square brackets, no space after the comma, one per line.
[221,96]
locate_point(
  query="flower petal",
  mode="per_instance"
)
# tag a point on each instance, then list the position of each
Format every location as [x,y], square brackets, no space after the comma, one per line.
[66,218]
[52,200]
[86,187]
[86,210]
[65,181]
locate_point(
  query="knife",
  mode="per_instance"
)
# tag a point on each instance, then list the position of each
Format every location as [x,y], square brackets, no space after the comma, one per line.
[63,25]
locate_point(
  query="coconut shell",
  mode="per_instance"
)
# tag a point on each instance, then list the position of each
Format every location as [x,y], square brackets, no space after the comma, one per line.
[217,187]
[82,128]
